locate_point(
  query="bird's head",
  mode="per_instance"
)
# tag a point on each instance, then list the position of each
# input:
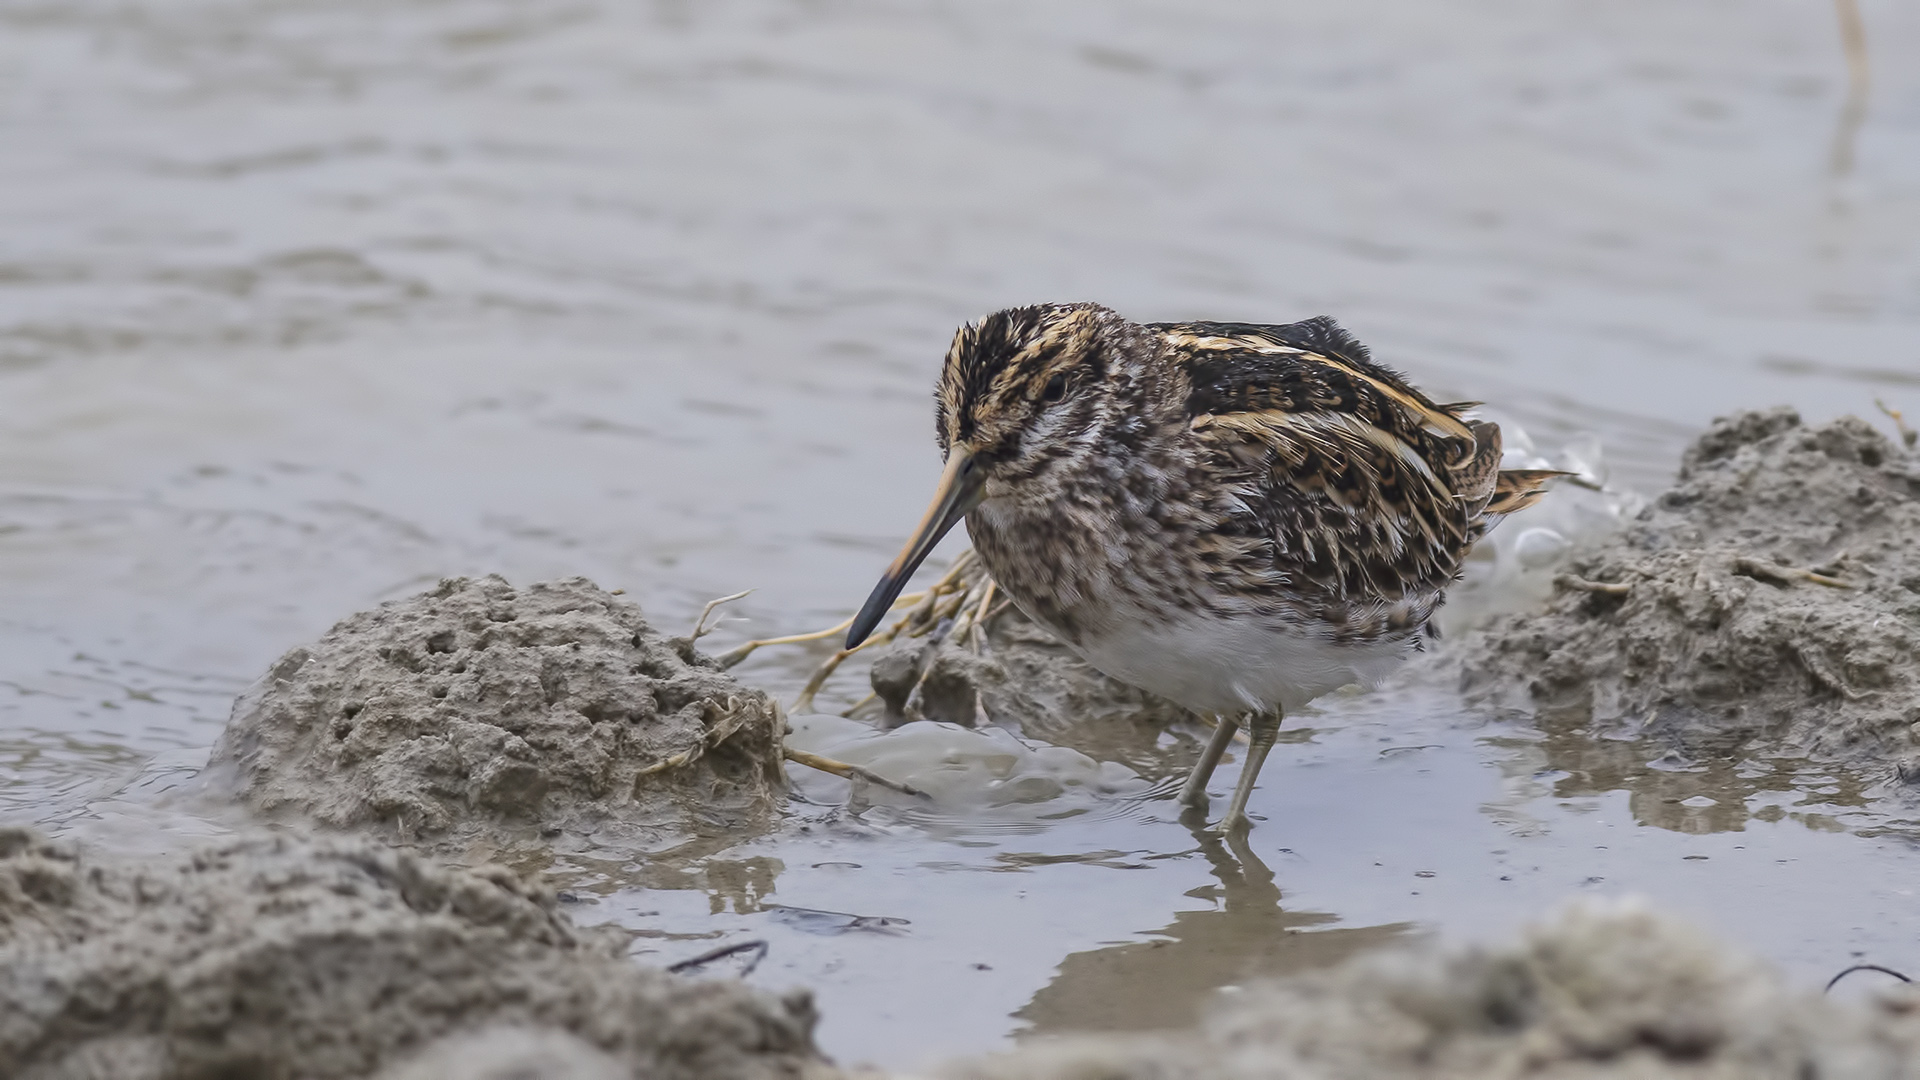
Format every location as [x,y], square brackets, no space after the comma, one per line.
[1023,393]
[1021,389]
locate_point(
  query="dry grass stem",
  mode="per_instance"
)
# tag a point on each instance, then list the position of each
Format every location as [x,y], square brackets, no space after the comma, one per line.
[977,632]
[733,714]
[700,627]
[957,596]
[851,771]
[740,652]
[1784,575]
[1853,111]
[1908,436]
[1853,41]
[1604,588]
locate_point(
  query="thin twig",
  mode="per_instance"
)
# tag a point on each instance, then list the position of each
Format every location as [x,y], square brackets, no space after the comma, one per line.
[1908,436]
[804,702]
[759,948]
[1208,720]
[1844,972]
[1853,40]
[741,652]
[1783,575]
[1853,112]
[921,618]
[980,614]
[1604,588]
[733,717]
[700,627]
[849,771]
[954,596]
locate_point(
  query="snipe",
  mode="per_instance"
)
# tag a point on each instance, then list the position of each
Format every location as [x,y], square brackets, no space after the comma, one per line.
[1237,517]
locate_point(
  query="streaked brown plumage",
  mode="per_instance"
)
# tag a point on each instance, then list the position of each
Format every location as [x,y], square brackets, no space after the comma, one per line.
[1239,517]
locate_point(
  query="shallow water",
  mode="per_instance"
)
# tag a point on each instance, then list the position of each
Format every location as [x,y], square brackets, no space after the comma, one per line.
[305,305]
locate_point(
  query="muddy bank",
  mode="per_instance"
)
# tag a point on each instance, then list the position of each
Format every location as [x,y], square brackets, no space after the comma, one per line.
[270,957]
[1773,593]
[480,719]
[1595,993]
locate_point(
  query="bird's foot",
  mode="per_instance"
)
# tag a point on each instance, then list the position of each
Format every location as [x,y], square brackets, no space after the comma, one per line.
[1233,824]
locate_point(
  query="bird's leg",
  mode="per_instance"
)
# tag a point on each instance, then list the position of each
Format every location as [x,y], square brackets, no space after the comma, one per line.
[1262,729]
[1194,792]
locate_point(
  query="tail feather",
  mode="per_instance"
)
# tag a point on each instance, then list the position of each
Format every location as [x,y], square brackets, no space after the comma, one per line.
[1516,489]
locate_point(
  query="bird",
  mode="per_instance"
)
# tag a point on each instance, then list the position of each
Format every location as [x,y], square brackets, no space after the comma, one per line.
[1238,517]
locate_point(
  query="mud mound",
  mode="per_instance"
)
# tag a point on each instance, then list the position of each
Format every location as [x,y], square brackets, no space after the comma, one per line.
[1599,993]
[479,718]
[272,958]
[1774,592]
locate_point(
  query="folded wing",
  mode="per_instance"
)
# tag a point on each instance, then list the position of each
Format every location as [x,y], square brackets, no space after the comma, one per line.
[1347,480]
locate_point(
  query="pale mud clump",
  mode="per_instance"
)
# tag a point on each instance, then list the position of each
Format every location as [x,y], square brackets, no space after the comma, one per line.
[1772,594]
[1597,994]
[478,718]
[270,957]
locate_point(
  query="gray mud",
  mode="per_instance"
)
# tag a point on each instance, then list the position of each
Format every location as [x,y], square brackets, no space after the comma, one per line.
[479,719]
[1770,600]
[1596,993]
[269,957]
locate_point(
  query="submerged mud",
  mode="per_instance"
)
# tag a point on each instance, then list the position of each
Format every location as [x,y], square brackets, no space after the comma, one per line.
[1773,594]
[1596,993]
[478,718]
[268,957]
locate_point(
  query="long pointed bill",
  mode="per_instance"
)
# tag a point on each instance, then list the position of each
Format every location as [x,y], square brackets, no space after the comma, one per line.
[959,492]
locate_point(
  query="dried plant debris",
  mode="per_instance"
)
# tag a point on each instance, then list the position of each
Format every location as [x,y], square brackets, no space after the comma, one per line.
[1013,672]
[269,957]
[1773,593]
[961,653]
[1599,993]
[478,718]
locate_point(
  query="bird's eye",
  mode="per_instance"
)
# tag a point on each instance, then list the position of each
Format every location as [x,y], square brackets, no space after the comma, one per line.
[1056,389]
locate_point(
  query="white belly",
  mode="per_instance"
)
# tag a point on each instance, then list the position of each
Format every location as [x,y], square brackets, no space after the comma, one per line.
[1230,666]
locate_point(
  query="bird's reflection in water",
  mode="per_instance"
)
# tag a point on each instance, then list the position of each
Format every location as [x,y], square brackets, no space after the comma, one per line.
[1164,983]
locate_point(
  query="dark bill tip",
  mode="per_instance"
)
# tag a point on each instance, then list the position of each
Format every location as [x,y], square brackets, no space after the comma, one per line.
[876,608]
[958,493]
